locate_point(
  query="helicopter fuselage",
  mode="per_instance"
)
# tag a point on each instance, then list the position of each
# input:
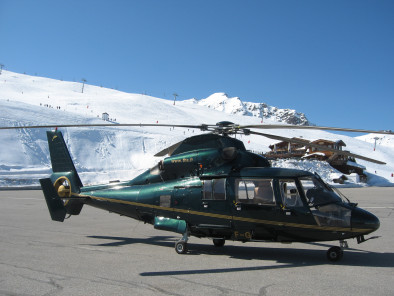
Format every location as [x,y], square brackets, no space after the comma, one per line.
[228,207]
[210,186]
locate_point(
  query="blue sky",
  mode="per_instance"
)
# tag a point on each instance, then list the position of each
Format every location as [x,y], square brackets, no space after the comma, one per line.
[333,60]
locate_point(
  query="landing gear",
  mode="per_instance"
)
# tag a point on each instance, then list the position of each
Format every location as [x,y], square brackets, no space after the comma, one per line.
[343,244]
[181,245]
[219,242]
[334,254]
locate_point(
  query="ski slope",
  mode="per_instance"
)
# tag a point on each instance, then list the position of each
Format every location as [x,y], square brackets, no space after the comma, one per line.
[118,153]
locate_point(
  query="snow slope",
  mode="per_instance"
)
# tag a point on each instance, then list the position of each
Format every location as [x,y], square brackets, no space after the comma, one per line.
[381,140]
[109,153]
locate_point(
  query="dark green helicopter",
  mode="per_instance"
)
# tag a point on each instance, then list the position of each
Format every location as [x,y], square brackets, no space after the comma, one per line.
[211,186]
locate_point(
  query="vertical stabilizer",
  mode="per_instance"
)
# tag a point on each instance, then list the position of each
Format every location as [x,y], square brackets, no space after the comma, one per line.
[60,156]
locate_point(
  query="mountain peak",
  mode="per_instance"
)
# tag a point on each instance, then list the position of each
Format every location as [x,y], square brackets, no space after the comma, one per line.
[222,102]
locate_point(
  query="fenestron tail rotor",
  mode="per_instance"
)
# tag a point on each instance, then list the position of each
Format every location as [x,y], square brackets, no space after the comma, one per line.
[63,187]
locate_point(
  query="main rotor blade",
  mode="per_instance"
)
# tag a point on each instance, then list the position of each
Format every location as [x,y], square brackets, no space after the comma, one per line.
[203,127]
[104,125]
[283,126]
[322,148]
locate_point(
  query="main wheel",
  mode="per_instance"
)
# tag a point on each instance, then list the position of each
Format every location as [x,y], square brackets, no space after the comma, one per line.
[181,247]
[219,242]
[334,254]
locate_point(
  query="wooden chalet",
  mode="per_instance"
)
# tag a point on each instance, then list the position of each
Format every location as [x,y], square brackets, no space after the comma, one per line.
[327,155]
[342,163]
[285,149]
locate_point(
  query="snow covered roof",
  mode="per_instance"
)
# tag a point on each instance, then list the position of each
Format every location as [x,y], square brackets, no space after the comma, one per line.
[314,154]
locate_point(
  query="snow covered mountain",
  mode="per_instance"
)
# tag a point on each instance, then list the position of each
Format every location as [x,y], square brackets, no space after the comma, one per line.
[221,102]
[109,153]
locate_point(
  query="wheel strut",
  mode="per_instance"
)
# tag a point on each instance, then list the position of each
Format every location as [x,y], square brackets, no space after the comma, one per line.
[181,245]
[343,244]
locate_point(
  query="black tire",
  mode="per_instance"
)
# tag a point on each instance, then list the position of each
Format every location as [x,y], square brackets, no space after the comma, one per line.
[181,247]
[334,254]
[219,242]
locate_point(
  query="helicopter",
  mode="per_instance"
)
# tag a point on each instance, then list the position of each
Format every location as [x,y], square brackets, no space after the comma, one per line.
[210,186]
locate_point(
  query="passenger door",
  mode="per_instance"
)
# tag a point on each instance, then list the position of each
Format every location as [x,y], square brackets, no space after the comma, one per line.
[214,209]
[255,208]
[295,212]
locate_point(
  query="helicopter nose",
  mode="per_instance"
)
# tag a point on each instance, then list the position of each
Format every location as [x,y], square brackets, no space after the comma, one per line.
[364,220]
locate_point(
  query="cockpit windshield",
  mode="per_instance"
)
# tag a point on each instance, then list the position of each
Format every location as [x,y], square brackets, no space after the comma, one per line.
[326,205]
[318,193]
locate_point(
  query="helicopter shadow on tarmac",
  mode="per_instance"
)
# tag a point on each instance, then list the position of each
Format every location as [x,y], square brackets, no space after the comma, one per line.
[115,241]
[286,257]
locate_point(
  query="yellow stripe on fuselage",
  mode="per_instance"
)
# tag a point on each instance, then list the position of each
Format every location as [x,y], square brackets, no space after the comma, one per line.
[228,217]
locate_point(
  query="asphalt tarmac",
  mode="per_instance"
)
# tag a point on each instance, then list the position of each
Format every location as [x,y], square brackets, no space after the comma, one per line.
[98,253]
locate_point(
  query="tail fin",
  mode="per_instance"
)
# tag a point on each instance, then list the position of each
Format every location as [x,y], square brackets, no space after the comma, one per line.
[63,183]
[61,159]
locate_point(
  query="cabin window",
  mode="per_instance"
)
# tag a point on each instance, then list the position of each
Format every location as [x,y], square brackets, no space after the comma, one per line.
[290,195]
[214,189]
[256,191]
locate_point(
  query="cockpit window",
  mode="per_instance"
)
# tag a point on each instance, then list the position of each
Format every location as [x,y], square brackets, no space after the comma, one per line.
[317,193]
[255,191]
[290,195]
[326,206]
